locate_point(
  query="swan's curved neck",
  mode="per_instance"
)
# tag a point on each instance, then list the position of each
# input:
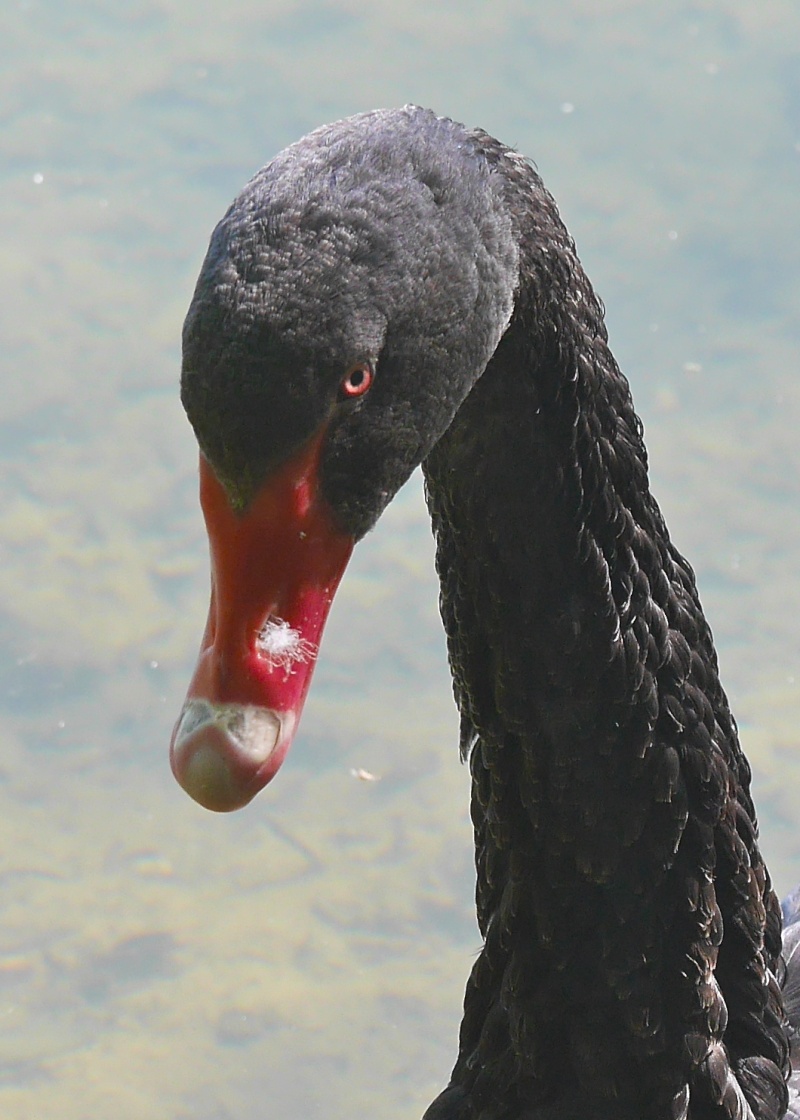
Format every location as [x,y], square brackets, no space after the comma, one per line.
[615,835]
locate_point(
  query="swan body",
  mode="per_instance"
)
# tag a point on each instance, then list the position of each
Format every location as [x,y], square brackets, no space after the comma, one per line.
[396,289]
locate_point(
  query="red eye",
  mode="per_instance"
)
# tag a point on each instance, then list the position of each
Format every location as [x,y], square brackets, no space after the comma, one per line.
[357,380]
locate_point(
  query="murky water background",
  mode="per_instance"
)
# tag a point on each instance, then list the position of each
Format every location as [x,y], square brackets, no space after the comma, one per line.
[307,956]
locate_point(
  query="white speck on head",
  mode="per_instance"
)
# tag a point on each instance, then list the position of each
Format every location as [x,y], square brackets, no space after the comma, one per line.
[282,646]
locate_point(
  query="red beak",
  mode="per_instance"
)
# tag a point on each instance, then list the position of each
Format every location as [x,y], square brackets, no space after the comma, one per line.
[274,571]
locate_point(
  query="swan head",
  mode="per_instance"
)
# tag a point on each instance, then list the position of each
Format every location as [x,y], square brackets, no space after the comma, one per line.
[350,298]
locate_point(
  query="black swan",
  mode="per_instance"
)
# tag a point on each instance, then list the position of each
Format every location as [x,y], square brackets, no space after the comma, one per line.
[396,289]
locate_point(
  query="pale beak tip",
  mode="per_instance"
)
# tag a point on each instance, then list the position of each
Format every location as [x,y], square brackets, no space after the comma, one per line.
[223,754]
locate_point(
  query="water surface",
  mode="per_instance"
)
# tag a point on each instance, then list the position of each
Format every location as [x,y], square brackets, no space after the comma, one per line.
[307,956]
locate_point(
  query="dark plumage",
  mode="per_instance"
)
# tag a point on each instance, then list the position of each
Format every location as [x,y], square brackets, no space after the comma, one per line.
[631,962]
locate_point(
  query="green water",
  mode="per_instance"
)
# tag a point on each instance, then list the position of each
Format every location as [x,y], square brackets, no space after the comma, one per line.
[306,957]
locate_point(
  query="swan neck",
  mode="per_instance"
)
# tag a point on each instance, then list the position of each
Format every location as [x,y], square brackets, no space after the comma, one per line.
[610,801]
